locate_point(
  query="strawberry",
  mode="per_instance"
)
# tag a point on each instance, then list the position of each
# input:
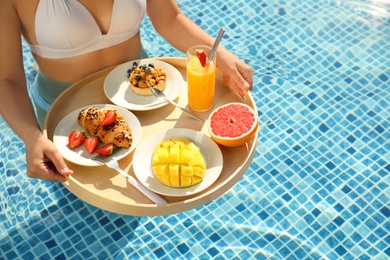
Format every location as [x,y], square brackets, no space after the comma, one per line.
[91,143]
[109,118]
[202,57]
[76,138]
[106,149]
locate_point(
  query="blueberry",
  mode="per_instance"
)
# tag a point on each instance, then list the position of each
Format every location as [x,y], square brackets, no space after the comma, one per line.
[151,65]
[138,77]
[129,71]
[148,70]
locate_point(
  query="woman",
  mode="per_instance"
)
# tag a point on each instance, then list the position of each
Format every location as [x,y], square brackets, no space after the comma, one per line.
[71,39]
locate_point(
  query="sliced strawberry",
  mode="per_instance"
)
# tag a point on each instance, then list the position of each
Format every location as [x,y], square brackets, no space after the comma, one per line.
[76,138]
[91,143]
[109,118]
[106,149]
[202,57]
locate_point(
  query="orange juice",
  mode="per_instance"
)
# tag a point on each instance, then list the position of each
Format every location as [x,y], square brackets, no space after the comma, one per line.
[201,84]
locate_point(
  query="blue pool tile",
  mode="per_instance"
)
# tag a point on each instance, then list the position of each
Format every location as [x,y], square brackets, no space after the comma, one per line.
[323,158]
[383,77]
[385,211]
[387,252]
[340,250]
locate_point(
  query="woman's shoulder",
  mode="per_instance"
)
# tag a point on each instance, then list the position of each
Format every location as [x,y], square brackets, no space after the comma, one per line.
[22,15]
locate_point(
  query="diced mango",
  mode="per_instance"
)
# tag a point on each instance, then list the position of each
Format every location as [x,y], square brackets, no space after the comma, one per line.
[165,179]
[181,141]
[163,154]
[174,169]
[196,180]
[199,172]
[186,157]
[174,153]
[185,181]
[155,159]
[186,170]
[198,161]
[166,143]
[177,162]
[174,180]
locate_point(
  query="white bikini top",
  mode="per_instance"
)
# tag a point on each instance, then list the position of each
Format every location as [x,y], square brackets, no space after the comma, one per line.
[65,28]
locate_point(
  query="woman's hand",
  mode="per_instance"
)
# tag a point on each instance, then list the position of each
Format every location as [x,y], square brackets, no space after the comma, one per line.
[44,161]
[236,74]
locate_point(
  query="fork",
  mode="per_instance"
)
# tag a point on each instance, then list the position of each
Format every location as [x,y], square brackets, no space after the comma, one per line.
[113,164]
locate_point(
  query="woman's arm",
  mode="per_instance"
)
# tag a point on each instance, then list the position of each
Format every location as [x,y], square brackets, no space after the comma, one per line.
[182,33]
[15,104]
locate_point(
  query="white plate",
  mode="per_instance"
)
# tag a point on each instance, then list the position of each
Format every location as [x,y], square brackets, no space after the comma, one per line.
[79,155]
[117,90]
[142,159]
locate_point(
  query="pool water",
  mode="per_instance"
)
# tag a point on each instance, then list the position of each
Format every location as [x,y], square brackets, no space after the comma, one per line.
[318,187]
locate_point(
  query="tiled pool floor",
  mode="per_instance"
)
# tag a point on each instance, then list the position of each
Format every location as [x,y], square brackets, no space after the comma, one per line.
[318,187]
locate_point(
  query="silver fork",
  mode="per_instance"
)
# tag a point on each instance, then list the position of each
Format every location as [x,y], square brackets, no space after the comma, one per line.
[113,164]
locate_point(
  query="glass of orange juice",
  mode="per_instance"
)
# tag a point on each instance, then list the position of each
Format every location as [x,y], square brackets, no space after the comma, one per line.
[200,80]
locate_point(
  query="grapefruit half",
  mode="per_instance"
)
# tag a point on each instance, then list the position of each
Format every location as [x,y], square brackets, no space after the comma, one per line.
[232,124]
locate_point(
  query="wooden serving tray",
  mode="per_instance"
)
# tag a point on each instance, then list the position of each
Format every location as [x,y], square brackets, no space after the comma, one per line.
[107,189]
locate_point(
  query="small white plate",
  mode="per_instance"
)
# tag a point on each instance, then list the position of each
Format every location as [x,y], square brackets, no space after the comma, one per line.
[117,90]
[79,155]
[142,161]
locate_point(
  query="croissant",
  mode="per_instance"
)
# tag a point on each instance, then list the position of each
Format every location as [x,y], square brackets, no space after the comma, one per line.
[118,133]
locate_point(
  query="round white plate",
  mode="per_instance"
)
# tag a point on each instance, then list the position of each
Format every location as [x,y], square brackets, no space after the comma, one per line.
[142,161]
[79,155]
[117,90]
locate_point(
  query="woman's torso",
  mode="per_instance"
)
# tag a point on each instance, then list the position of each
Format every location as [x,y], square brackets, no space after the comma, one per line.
[81,21]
